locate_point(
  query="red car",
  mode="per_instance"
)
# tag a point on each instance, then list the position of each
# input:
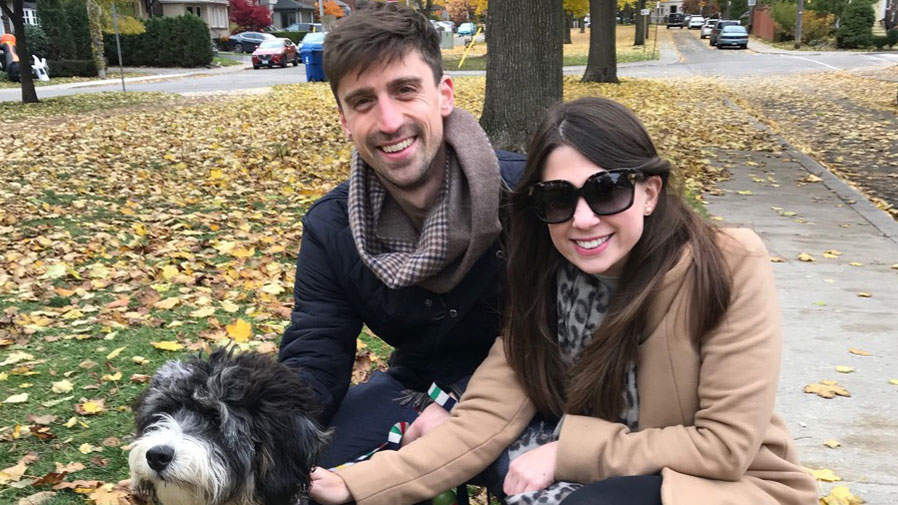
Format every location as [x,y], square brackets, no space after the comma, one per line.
[273,52]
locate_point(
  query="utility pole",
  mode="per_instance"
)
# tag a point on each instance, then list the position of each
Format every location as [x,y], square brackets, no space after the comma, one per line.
[798,25]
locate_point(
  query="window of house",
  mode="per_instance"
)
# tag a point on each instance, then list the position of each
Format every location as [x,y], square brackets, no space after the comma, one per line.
[30,16]
[195,10]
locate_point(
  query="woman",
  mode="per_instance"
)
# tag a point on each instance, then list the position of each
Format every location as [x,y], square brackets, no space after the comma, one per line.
[647,341]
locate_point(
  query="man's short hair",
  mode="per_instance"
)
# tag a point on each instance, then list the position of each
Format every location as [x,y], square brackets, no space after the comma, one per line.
[378,35]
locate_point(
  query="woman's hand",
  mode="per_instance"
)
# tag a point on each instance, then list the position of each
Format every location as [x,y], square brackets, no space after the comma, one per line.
[328,488]
[532,471]
[431,417]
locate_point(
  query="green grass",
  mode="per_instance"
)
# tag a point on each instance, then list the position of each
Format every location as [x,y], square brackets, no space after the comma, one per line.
[77,104]
[224,62]
[450,62]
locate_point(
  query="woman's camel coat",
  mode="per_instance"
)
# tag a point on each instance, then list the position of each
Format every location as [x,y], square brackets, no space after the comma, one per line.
[706,418]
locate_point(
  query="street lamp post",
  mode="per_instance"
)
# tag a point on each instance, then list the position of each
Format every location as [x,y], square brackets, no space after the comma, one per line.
[798,25]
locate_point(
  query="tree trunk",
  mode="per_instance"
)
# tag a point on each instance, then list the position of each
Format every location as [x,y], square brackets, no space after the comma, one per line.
[567,24]
[891,18]
[26,78]
[582,22]
[94,16]
[640,24]
[602,63]
[425,7]
[523,74]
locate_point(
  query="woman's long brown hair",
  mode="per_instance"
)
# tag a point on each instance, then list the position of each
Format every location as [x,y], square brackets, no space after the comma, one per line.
[609,135]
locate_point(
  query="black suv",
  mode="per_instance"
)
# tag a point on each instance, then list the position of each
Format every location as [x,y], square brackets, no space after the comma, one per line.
[675,19]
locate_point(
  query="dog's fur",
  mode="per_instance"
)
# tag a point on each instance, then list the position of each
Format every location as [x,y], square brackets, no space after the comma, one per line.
[239,430]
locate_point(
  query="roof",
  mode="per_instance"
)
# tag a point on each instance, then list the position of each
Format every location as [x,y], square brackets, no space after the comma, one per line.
[293,5]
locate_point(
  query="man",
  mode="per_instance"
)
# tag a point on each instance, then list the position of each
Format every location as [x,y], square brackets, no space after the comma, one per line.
[409,246]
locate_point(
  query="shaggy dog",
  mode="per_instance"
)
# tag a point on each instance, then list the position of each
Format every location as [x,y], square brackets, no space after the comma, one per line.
[229,430]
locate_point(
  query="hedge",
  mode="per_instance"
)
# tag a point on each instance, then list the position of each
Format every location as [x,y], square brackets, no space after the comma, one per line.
[296,37]
[72,68]
[181,41]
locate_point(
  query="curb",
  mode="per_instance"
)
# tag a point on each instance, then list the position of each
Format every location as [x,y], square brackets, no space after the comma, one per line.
[852,198]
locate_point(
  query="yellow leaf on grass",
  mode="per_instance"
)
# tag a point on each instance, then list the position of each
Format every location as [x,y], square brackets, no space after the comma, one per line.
[92,407]
[113,377]
[203,312]
[864,294]
[167,304]
[824,474]
[840,495]
[242,252]
[19,398]
[56,271]
[168,345]
[98,271]
[215,173]
[240,331]
[114,354]
[71,422]
[108,495]
[86,448]
[169,271]
[806,257]
[275,288]
[15,357]
[844,369]
[859,352]
[229,307]
[13,473]
[63,386]
[140,360]
[39,498]
[832,444]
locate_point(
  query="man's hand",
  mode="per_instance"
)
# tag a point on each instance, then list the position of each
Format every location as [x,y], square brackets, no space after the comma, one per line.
[532,471]
[431,417]
[328,488]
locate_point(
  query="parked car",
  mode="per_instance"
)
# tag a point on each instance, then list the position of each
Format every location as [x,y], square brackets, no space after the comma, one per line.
[707,27]
[304,27]
[448,26]
[467,29]
[675,19]
[247,42]
[719,26]
[696,23]
[732,35]
[273,52]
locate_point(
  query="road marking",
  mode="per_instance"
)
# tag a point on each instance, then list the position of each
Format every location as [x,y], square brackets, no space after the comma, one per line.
[814,61]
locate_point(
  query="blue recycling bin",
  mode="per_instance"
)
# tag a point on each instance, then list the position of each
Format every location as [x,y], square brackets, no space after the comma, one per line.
[312,51]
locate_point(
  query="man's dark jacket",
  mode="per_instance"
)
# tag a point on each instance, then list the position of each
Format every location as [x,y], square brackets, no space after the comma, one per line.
[437,338]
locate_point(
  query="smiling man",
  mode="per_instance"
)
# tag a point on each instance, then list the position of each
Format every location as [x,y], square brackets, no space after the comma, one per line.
[408,246]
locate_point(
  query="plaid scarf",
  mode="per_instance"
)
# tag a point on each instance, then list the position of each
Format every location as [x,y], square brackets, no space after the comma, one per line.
[460,226]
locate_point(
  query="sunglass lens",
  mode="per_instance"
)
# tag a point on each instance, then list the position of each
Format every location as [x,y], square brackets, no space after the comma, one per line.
[555,203]
[609,193]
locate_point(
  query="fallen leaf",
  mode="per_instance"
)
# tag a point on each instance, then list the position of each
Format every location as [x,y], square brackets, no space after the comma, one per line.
[864,294]
[240,330]
[39,498]
[19,398]
[140,360]
[63,386]
[806,257]
[856,264]
[168,346]
[826,389]
[832,253]
[824,474]
[840,495]
[90,407]
[229,307]
[844,369]
[117,376]
[16,357]
[167,304]
[86,448]
[859,352]
[832,444]
[114,354]
[106,495]
[777,259]
[203,312]
[893,382]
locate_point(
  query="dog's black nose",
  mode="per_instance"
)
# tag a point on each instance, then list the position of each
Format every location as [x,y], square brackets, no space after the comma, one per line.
[159,457]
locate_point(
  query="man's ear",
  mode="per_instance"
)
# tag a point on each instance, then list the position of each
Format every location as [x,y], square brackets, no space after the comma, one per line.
[344,124]
[447,95]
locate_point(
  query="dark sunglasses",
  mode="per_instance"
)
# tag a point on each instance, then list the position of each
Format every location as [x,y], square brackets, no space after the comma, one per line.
[606,193]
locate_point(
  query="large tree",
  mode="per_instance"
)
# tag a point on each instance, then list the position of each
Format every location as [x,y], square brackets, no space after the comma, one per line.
[523,74]
[17,15]
[602,63]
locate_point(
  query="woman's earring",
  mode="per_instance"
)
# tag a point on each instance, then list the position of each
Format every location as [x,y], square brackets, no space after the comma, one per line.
[648,211]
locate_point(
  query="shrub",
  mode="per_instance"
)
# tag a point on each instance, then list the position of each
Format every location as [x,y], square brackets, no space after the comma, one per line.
[72,68]
[76,13]
[880,41]
[37,40]
[181,41]
[816,26]
[294,36]
[856,27]
[784,15]
[892,37]
[54,21]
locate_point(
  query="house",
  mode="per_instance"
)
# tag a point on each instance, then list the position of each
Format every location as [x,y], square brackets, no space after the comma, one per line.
[287,12]
[213,12]
[30,10]
[660,10]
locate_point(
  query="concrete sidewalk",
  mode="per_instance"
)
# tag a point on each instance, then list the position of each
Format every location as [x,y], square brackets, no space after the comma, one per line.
[830,305]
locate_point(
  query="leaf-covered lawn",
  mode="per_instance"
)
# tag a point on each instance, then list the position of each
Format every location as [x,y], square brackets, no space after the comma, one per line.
[131,238]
